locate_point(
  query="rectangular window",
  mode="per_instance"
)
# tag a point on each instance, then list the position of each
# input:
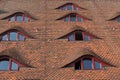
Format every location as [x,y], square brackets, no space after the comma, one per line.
[69,7]
[19,18]
[77,65]
[78,36]
[79,19]
[13,35]
[26,19]
[86,37]
[87,63]
[14,66]
[72,17]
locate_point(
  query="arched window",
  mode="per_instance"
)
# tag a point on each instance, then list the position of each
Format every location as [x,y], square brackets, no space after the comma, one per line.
[7,63]
[12,35]
[69,6]
[73,18]
[88,63]
[19,17]
[79,36]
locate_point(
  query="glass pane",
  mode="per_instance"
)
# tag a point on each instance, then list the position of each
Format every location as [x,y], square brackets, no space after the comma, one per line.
[4,37]
[86,38]
[14,66]
[69,7]
[72,17]
[63,8]
[21,38]
[75,8]
[97,65]
[12,19]
[79,19]
[71,37]
[26,19]
[4,64]
[118,19]
[87,63]
[19,18]
[66,19]
[13,36]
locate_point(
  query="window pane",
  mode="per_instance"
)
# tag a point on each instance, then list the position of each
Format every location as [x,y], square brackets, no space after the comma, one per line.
[12,19]
[66,19]
[4,37]
[75,8]
[4,64]
[19,18]
[63,8]
[87,63]
[14,66]
[71,37]
[118,19]
[21,38]
[72,17]
[97,65]
[13,35]
[78,36]
[86,38]
[26,19]
[69,7]
[79,19]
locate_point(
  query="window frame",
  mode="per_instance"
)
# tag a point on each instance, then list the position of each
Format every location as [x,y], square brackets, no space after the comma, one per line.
[66,7]
[83,35]
[93,59]
[23,15]
[17,36]
[10,60]
[76,18]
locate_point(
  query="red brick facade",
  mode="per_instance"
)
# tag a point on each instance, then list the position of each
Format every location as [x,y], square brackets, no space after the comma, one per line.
[44,53]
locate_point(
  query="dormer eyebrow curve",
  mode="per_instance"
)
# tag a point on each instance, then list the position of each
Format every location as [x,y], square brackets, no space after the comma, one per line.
[73,5]
[19,12]
[78,16]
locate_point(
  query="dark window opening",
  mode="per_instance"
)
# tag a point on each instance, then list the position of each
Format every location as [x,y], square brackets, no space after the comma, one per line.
[78,36]
[78,65]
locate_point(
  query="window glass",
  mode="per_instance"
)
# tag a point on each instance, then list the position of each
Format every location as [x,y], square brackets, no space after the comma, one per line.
[69,7]
[97,65]
[4,37]
[72,17]
[86,38]
[87,63]
[4,63]
[21,38]
[71,37]
[13,35]
[78,36]
[19,18]
[26,19]
[79,19]
[66,19]
[75,8]
[12,18]
[63,8]
[118,19]
[14,66]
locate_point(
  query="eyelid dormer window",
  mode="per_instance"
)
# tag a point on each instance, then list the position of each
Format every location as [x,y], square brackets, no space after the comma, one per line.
[19,17]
